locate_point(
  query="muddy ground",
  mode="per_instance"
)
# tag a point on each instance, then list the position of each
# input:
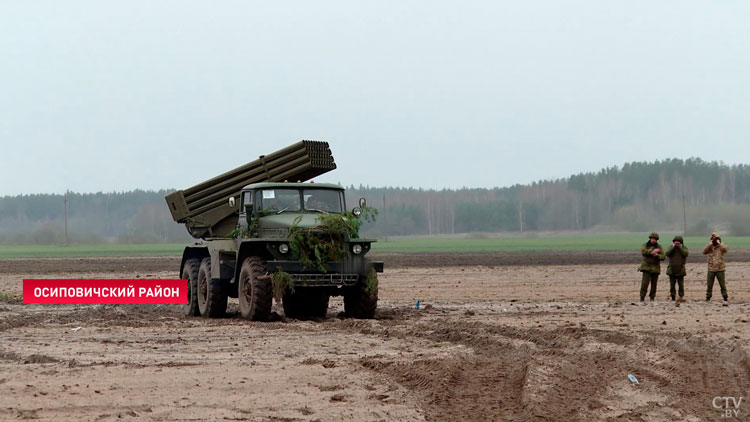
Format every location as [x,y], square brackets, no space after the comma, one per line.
[502,339]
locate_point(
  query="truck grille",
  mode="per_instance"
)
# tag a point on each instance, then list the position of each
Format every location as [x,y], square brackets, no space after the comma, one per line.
[325,279]
[273,233]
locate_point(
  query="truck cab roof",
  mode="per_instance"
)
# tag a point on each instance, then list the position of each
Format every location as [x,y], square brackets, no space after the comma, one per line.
[270,185]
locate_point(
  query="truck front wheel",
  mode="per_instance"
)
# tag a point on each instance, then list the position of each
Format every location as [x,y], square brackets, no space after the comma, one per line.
[255,290]
[306,303]
[190,273]
[361,301]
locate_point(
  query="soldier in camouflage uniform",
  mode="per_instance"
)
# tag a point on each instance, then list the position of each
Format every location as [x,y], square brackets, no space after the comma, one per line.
[650,267]
[677,253]
[715,251]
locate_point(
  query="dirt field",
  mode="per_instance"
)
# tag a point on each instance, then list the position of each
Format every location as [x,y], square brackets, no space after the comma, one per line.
[499,338]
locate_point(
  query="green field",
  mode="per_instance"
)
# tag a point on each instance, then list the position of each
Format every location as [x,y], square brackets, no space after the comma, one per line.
[90,250]
[608,242]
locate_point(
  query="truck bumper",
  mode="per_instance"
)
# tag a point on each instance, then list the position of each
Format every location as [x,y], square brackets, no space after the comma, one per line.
[340,273]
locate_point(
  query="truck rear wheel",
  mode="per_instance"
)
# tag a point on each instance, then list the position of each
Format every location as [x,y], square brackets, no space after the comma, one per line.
[255,289]
[190,272]
[306,303]
[212,297]
[359,302]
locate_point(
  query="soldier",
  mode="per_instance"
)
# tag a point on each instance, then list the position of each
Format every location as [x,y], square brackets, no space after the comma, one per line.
[677,253]
[652,254]
[715,251]
[315,204]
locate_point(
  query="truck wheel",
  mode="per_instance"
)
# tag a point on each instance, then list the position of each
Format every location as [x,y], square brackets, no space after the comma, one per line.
[255,290]
[212,297]
[190,272]
[317,304]
[305,303]
[292,304]
[358,302]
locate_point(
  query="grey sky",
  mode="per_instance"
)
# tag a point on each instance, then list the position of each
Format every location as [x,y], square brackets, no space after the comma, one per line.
[109,96]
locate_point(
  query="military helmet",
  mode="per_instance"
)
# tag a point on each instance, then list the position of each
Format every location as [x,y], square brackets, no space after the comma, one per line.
[678,238]
[655,235]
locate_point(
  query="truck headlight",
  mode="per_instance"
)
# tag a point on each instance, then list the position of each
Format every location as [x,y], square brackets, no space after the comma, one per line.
[283,248]
[357,249]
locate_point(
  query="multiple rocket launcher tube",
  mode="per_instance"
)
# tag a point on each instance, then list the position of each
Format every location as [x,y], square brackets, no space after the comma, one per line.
[204,208]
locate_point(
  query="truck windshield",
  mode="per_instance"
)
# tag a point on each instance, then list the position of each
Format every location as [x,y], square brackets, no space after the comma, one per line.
[280,200]
[323,200]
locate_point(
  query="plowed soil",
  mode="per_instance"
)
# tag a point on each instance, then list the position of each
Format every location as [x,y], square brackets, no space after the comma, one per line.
[550,338]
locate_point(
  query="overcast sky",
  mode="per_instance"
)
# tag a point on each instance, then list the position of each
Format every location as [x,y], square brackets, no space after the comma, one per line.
[104,95]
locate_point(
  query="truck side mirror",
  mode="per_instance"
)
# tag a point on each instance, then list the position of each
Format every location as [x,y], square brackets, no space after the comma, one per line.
[232,202]
[362,202]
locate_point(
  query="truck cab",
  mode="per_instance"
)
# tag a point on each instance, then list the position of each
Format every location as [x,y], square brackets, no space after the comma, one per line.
[276,205]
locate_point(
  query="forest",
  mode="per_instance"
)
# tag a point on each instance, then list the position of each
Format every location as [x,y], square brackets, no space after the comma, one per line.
[691,196]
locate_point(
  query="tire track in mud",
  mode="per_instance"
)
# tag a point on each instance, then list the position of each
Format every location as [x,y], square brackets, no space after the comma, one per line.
[120,315]
[508,376]
[572,373]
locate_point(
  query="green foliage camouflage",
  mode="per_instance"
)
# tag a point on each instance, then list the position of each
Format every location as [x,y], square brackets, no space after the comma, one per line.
[252,230]
[239,233]
[371,283]
[282,282]
[326,241]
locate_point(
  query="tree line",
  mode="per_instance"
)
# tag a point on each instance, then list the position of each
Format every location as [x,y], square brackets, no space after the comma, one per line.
[117,217]
[692,196]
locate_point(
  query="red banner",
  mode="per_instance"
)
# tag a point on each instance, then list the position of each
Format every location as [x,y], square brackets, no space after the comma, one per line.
[105,291]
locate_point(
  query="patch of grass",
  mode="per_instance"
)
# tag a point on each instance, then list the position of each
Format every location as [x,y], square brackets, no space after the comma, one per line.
[6,298]
[459,243]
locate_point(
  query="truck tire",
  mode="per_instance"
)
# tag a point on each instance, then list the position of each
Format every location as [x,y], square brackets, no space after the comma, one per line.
[358,302]
[318,304]
[292,304]
[255,290]
[190,272]
[212,297]
[305,303]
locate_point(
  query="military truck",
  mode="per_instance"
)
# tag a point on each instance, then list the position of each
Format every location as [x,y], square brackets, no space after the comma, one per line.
[248,222]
